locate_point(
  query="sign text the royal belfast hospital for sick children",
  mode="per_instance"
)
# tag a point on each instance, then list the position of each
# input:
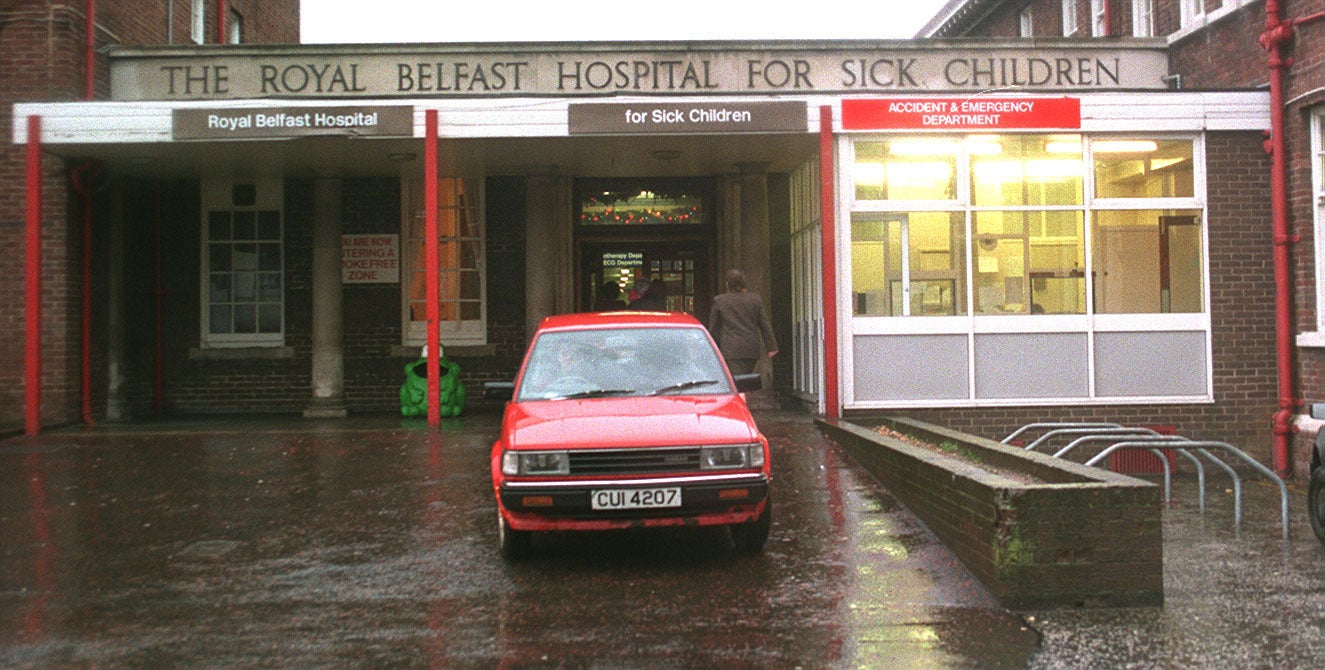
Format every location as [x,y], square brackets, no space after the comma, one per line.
[413,70]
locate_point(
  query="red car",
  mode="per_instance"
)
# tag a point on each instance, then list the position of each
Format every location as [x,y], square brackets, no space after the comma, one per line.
[627,420]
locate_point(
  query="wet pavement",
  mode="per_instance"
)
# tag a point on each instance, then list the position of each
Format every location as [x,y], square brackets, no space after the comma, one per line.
[372,542]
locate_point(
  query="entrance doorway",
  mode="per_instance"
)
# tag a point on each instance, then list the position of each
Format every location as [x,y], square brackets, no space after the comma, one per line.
[631,233]
[682,267]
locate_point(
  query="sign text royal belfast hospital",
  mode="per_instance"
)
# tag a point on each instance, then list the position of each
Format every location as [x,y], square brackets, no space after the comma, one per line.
[264,73]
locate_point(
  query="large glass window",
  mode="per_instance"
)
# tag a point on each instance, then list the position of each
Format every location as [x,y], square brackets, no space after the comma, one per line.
[1029,262]
[908,264]
[1148,261]
[908,168]
[460,276]
[1062,266]
[1028,170]
[243,263]
[1142,168]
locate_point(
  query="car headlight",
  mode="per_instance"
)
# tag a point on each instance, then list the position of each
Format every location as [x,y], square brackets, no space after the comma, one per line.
[731,457]
[535,463]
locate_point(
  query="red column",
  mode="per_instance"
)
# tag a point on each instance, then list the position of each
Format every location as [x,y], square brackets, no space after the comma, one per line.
[32,278]
[828,242]
[433,287]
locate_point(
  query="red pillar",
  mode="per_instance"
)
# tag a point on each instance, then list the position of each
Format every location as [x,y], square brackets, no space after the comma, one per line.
[828,242]
[32,278]
[433,286]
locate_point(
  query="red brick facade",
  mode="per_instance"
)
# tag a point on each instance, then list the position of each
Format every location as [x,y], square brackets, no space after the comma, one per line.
[42,58]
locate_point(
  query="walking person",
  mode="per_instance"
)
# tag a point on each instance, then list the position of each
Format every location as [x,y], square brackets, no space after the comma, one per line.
[740,325]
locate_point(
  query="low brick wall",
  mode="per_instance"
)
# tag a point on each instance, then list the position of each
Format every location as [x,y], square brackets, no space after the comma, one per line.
[1048,533]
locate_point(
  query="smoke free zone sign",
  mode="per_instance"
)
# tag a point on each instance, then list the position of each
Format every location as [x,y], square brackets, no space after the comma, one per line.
[274,122]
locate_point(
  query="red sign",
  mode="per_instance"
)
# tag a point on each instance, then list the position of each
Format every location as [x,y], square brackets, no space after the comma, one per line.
[971,113]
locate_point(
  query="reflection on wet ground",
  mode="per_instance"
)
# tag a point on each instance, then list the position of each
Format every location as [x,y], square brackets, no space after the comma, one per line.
[372,542]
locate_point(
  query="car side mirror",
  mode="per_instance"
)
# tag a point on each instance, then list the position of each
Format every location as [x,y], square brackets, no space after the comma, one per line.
[749,382]
[498,390]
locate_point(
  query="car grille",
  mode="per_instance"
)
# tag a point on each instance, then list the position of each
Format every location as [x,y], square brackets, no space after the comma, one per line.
[633,461]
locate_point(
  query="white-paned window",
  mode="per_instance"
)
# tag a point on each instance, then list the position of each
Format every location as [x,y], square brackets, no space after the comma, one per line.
[1099,19]
[1192,11]
[1069,18]
[462,315]
[1026,22]
[243,263]
[1025,268]
[198,23]
[1143,18]
[234,28]
[1318,183]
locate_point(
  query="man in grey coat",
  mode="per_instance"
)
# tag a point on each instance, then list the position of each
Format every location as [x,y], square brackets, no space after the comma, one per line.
[740,325]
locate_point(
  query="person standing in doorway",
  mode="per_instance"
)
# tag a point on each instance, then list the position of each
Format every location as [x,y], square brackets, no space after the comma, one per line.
[740,325]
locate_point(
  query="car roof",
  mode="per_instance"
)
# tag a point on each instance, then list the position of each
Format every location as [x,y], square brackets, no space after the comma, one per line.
[624,319]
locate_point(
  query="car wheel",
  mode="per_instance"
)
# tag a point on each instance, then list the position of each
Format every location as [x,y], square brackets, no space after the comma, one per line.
[1316,502]
[515,544]
[749,538]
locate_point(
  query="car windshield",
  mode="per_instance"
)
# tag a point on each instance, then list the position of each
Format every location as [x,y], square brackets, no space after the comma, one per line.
[622,362]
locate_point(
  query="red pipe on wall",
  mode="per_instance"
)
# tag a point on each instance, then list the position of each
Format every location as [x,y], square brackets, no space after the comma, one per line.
[220,21]
[828,254]
[1278,33]
[32,277]
[433,281]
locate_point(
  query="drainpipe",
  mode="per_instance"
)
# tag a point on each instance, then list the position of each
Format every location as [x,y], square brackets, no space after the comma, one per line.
[1108,18]
[32,277]
[220,21]
[828,258]
[1278,33]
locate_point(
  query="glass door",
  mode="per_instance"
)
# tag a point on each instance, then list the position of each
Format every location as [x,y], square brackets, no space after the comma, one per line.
[617,275]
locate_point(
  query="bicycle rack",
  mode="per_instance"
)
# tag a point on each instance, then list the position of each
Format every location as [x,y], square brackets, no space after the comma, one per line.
[1204,446]
[1038,426]
[1122,437]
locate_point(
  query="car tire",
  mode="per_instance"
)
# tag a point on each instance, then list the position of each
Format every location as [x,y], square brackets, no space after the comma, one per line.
[515,544]
[749,538]
[1316,502]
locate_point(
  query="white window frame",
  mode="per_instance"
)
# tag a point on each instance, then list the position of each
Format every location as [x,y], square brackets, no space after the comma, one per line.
[234,28]
[1317,339]
[473,332]
[1191,12]
[198,22]
[1098,19]
[1070,19]
[1026,21]
[972,325]
[216,196]
[1143,18]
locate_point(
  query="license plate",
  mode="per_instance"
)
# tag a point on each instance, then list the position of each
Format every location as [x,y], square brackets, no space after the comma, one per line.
[635,498]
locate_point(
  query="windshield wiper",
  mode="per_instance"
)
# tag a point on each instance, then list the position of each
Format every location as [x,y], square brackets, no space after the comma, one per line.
[681,386]
[593,393]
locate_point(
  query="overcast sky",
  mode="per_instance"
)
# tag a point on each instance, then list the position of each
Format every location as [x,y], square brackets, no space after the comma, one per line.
[324,21]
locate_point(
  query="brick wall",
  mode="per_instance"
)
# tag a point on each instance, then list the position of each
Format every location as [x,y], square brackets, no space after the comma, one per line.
[1029,527]
[42,59]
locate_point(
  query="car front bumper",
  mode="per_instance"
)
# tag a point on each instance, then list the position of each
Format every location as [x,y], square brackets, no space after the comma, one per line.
[565,504]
